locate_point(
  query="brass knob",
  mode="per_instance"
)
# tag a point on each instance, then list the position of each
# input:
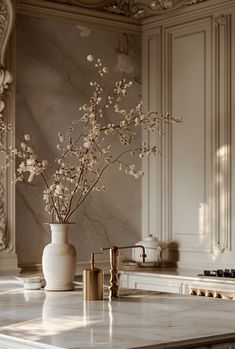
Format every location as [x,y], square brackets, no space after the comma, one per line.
[193,292]
[201,293]
[209,294]
[218,295]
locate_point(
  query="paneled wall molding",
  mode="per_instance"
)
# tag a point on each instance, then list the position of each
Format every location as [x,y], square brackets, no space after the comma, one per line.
[152,95]
[5,79]
[73,14]
[6,24]
[8,258]
[200,31]
[222,132]
[196,208]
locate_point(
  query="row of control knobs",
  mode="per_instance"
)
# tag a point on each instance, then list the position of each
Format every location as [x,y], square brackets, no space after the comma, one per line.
[204,293]
[227,273]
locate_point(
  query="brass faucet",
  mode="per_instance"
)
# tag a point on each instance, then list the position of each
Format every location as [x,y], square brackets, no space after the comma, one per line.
[113,255]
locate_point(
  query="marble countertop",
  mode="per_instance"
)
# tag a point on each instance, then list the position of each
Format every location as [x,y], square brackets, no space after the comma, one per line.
[175,273]
[165,272]
[138,319]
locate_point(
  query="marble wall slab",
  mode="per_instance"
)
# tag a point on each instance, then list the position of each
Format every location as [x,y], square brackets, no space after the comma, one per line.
[51,83]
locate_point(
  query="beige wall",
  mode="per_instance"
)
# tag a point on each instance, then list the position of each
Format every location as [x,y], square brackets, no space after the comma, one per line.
[52,81]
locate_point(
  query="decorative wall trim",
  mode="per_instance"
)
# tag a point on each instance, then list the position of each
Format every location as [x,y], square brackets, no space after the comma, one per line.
[8,257]
[184,30]
[73,14]
[222,132]
[97,4]
[5,79]
[188,13]
[152,95]
[133,8]
[146,8]
[167,142]
[6,25]
[215,248]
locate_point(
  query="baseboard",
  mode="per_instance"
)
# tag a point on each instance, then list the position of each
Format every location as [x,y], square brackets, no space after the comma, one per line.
[8,264]
[30,268]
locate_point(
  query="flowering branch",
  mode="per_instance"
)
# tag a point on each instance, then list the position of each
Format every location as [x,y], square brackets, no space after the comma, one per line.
[85,148]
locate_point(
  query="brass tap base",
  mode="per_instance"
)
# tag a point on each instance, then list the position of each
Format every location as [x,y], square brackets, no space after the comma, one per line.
[114,291]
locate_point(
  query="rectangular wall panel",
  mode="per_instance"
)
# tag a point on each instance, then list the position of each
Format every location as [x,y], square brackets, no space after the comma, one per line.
[222,134]
[190,194]
[152,81]
[188,84]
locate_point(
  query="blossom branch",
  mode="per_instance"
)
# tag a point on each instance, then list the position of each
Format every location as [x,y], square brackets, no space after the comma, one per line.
[85,155]
[79,203]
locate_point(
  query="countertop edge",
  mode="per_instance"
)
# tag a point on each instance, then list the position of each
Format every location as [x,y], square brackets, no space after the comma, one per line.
[193,343]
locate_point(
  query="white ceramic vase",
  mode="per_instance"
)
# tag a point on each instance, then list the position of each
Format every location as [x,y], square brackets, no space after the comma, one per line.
[59,260]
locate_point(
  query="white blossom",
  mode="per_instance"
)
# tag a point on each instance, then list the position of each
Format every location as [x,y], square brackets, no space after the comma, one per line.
[85,148]
[90,58]
[23,145]
[27,137]
[59,189]
[105,69]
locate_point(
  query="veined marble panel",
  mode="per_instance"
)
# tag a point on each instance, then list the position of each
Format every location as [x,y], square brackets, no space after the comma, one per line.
[52,82]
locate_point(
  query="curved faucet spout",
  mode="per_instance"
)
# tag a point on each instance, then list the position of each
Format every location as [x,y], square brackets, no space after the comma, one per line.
[143,255]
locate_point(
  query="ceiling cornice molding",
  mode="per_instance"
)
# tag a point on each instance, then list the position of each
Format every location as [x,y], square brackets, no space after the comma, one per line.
[95,4]
[131,9]
[203,8]
[100,13]
[146,8]
[58,10]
